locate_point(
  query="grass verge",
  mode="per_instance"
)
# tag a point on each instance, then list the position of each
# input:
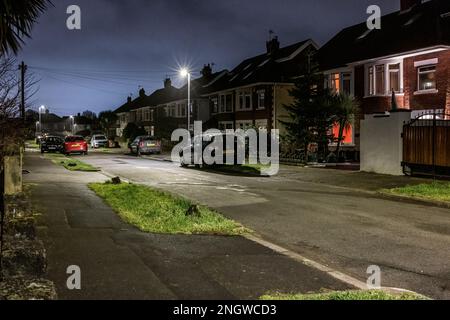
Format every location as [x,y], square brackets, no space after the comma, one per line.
[155,211]
[345,295]
[70,163]
[31,144]
[438,191]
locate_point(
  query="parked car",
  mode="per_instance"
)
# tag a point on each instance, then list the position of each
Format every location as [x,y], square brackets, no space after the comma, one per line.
[51,144]
[145,145]
[75,144]
[99,141]
[228,151]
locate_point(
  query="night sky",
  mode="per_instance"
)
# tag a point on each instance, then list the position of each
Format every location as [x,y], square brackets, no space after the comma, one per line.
[125,44]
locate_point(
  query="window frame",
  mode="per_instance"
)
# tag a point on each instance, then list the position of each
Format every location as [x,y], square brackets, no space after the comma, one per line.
[419,73]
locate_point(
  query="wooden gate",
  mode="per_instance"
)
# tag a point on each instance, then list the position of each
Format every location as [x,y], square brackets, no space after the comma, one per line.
[426,145]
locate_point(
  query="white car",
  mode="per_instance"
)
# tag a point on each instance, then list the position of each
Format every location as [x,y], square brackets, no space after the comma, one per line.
[99,141]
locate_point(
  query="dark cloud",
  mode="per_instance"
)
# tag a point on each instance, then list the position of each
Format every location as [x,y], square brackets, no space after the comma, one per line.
[156,35]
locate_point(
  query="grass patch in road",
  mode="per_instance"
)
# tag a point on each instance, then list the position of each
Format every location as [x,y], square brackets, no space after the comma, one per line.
[155,211]
[70,163]
[438,191]
[245,169]
[345,295]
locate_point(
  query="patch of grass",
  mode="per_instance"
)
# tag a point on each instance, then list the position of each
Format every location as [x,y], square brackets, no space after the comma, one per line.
[439,191]
[70,163]
[246,169]
[345,295]
[155,211]
[31,144]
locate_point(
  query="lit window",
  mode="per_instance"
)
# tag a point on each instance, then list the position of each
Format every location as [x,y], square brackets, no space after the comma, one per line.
[371,82]
[335,82]
[394,77]
[427,78]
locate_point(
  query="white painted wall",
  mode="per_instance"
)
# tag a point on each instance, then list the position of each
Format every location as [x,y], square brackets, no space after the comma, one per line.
[381,143]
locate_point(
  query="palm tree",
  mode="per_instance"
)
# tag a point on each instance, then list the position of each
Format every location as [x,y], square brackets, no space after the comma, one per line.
[16,21]
[347,109]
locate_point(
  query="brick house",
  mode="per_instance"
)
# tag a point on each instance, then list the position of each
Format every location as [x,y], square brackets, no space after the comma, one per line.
[409,55]
[253,94]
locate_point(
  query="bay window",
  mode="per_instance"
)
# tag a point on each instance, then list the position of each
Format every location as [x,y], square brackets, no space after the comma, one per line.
[394,77]
[379,80]
[261,99]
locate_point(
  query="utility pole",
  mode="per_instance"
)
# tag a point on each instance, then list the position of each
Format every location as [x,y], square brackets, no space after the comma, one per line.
[23,69]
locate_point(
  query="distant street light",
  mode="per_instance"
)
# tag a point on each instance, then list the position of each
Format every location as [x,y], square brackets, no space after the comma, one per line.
[41,110]
[185,73]
[72,124]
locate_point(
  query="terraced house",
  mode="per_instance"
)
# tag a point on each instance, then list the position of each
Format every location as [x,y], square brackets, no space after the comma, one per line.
[166,109]
[408,58]
[253,94]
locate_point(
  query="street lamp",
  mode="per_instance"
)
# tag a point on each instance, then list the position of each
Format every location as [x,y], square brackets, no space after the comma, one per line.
[72,123]
[185,73]
[41,110]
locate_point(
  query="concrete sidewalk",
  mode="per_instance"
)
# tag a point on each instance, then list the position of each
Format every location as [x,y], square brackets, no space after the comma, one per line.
[119,262]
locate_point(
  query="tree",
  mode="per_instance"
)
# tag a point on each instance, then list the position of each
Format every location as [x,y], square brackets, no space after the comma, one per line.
[346,108]
[311,113]
[16,21]
[89,114]
[132,131]
[108,120]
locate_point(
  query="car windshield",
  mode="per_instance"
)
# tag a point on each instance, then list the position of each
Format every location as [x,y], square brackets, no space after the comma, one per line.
[100,138]
[53,140]
[74,139]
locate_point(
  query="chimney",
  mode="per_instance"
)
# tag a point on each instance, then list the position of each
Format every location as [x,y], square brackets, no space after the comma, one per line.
[272,45]
[206,71]
[129,100]
[407,4]
[142,93]
[167,83]
[78,114]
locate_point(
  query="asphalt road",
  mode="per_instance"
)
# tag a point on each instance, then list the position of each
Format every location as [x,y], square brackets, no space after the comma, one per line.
[320,214]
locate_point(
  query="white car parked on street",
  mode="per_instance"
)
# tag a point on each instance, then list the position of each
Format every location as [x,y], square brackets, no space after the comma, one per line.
[99,141]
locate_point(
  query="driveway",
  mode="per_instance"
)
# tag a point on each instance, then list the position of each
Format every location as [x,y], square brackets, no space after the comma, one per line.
[118,261]
[329,216]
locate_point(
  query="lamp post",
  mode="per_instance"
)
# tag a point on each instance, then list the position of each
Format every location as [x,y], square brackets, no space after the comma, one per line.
[41,109]
[72,124]
[185,73]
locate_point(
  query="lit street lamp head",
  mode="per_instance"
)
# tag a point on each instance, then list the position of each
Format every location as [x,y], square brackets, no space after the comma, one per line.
[184,72]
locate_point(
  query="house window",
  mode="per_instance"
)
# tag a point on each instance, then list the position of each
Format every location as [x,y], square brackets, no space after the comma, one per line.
[335,82]
[182,110]
[226,125]
[147,115]
[379,80]
[222,103]
[394,77]
[261,99]
[346,83]
[427,78]
[371,82]
[229,103]
[152,115]
[215,105]
[244,124]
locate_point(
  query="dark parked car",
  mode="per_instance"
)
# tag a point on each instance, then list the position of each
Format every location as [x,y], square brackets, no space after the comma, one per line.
[227,152]
[52,144]
[145,145]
